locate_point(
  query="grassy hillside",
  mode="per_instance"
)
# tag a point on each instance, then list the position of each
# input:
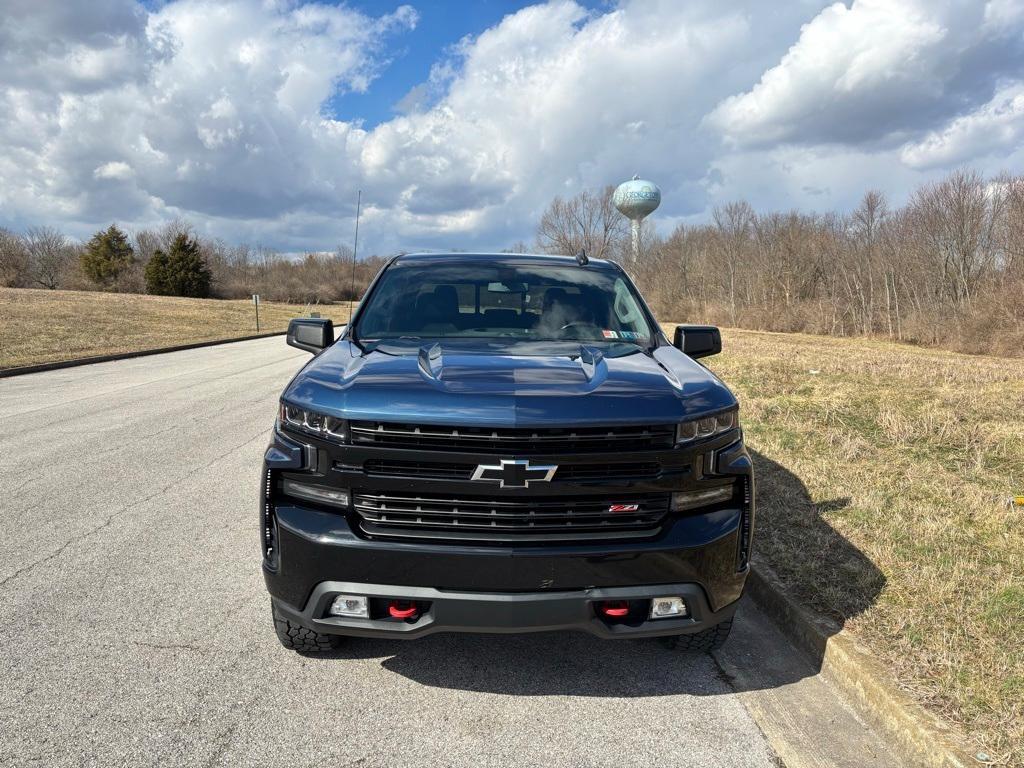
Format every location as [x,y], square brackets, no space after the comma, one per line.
[38,326]
[884,478]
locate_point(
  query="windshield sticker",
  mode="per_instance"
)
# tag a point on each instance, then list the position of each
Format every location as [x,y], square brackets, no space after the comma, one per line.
[610,334]
[630,335]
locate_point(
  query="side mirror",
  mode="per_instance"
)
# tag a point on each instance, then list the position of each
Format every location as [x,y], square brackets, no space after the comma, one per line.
[312,334]
[698,340]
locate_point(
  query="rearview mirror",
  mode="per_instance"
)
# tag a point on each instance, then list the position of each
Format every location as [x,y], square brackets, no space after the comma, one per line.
[698,340]
[312,334]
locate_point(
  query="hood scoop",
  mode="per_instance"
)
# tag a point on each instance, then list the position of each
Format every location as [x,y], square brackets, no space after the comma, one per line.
[431,361]
[590,358]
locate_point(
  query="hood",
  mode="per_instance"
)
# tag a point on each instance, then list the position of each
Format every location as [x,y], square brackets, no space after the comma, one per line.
[510,385]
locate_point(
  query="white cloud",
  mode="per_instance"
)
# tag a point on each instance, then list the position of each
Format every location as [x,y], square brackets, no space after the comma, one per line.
[995,128]
[113,170]
[1003,14]
[214,107]
[215,111]
[875,69]
[67,47]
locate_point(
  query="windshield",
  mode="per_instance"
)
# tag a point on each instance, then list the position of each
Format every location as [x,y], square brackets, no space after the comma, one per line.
[535,303]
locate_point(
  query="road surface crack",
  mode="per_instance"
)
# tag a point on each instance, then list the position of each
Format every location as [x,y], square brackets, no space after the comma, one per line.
[223,742]
[171,646]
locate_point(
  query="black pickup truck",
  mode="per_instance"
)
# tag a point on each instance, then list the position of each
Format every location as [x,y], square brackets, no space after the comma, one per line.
[505,443]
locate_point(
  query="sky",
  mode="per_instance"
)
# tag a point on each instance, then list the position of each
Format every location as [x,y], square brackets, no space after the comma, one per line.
[258,120]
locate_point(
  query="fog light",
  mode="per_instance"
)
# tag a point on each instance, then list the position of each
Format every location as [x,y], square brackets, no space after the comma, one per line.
[349,605]
[703,498]
[666,607]
[336,497]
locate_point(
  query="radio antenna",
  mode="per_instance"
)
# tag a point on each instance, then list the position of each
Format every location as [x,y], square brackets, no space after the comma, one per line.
[355,250]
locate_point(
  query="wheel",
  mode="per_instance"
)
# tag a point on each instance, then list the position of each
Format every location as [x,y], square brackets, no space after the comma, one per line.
[301,639]
[701,642]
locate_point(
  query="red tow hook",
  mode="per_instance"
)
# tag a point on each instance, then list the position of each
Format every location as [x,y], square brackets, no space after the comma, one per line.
[614,609]
[402,609]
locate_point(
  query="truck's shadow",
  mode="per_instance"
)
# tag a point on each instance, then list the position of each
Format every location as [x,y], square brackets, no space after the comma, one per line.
[575,664]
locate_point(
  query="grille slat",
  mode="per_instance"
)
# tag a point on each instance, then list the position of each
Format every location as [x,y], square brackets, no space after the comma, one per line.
[445,515]
[575,515]
[435,470]
[569,472]
[488,439]
[478,536]
[619,471]
[569,502]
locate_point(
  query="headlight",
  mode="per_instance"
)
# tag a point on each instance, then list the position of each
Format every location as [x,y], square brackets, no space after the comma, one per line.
[709,426]
[313,423]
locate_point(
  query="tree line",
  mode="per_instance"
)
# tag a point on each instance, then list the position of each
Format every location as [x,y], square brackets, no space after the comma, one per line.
[944,269]
[175,261]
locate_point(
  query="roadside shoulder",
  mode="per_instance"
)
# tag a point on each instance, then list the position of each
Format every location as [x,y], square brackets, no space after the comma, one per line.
[924,737]
[58,364]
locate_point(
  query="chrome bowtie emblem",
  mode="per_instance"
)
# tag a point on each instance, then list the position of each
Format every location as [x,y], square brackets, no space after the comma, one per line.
[514,473]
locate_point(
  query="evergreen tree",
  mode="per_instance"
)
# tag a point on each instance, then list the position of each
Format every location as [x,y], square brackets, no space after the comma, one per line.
[107,256]
[182,271]
[158,274]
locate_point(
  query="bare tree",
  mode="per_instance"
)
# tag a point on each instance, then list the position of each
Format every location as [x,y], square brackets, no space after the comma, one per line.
[14,262]
[957,223]
[50,256]
[146,242]
[1010,247]
[861,269]
[734,225]
[587,221]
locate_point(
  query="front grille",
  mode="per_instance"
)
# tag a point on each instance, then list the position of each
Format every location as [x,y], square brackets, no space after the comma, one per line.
[435,470]
[486,518]
[510,440]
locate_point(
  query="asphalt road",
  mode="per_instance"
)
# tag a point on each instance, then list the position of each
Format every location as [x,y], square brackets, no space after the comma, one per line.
[136,629]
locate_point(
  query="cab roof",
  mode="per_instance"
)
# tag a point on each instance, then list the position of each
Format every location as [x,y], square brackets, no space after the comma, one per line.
[509,259]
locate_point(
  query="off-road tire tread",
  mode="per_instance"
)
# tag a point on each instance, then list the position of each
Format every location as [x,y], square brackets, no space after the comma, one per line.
[702,642]
[301,639]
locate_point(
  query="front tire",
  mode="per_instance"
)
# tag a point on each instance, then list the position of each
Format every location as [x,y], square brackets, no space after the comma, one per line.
[302,639]
[705,641]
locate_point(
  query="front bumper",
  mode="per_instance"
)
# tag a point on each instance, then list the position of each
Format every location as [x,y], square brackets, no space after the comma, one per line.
[450,611]
[504,589]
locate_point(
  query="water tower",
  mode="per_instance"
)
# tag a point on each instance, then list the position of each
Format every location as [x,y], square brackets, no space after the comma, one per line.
[635,200]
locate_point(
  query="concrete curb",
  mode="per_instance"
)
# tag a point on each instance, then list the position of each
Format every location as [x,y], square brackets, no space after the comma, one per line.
[924,738]
[23,369]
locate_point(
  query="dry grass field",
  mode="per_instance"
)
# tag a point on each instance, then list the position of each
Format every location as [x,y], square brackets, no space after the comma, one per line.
[885,473]
[39,326]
